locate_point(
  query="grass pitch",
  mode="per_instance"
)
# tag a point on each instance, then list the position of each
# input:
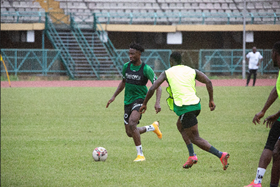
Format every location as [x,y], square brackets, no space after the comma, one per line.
[48,135]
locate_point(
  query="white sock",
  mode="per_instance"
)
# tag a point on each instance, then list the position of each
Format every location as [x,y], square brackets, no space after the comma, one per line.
[150,128]
[259,175]
[139,150]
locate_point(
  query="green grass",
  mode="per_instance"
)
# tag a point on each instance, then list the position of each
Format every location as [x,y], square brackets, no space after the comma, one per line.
[48,135]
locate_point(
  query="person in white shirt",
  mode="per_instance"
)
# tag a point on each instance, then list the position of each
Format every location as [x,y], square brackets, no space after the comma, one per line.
[254,58]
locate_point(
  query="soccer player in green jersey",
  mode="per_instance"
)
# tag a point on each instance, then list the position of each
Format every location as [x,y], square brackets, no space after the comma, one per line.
[185,103]
[272,146]
[135,77]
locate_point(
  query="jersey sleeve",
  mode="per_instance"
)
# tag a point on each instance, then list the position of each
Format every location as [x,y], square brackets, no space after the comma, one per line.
[149,73]
[124,69]
[248,55]
[260,56]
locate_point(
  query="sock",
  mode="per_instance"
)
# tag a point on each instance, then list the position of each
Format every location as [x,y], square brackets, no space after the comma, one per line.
[259,175]
[273,185]
[190,148]
[150,128]
[139,150]
[214,151]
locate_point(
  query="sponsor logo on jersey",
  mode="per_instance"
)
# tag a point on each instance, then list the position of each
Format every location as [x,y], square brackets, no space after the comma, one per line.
[133,77]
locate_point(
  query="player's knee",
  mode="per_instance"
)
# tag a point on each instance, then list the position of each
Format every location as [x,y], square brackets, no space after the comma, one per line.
[128,134]
[133,122]
[276,155]
[192,137]
[180,129]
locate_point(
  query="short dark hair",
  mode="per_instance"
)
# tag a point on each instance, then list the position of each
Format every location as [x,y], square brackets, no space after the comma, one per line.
[137,47]
[276,47]
[177,57]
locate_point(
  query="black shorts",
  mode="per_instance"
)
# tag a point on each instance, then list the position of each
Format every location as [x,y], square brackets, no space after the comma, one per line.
[273,136]
[189,119]
[129,108]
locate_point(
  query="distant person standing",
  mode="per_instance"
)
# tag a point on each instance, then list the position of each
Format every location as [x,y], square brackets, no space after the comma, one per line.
[254,58]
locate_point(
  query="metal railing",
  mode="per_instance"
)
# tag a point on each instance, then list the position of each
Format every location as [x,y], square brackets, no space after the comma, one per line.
[48,61]
[230,61]
[22,17]
[84,46]
[54,37]
[42,61]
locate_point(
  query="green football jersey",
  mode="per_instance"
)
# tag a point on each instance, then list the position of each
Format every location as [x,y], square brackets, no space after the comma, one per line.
[136,91]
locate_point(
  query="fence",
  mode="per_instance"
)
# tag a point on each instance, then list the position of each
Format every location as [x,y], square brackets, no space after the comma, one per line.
[230,61]
[42,61]
[48,61]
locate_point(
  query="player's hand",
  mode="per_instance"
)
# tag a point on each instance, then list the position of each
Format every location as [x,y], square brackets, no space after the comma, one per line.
[269,121]
[157,108]
[212,105]
[110,101]
[142,109]
[258,117]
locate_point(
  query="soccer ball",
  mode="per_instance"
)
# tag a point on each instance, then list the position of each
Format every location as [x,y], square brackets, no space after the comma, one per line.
[100,154]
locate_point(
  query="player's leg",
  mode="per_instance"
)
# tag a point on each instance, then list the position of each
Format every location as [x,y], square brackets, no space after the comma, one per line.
[190,125]
[249,77]
[192,159]
[266,154]
[275,171]
[132,126]
[127,112]
[183,133]
[131,119]
[135,106]
[255,76]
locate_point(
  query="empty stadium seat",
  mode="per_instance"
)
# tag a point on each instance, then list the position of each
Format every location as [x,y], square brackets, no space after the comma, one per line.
[149,6]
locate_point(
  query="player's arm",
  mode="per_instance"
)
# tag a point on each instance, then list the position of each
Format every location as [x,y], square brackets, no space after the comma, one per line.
[271,98]
[158,96]
[152,77]
[119,90]
[201,77]
[151,91]
[120,87]
[269,121]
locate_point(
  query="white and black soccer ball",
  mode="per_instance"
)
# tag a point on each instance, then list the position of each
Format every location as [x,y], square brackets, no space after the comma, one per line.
[100,154]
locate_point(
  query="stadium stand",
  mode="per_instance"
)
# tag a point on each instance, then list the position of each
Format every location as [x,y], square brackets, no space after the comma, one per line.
[154,11]
[17,5]
[73,32]
[30,11]
[167,11]
[172,5]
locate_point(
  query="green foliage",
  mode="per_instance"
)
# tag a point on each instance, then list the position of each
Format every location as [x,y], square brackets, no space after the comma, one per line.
[48,135]
[12,77]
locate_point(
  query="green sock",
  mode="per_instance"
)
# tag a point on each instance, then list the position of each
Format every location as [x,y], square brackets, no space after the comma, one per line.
[190,148]
[214,151]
